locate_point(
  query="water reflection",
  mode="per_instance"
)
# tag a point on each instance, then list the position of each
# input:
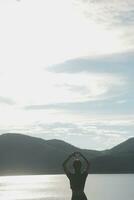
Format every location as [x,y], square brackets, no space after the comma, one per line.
[32,187]
[98,187]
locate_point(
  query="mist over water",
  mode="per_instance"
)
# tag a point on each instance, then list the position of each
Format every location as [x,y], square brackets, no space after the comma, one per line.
[56,187]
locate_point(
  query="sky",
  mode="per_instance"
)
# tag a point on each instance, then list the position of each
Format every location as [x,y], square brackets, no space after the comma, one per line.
[66,70]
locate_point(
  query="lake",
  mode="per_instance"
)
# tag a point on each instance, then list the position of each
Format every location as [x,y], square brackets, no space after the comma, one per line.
[56,187]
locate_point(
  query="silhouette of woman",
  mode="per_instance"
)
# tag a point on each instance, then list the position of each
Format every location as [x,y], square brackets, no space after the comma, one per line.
[78,178]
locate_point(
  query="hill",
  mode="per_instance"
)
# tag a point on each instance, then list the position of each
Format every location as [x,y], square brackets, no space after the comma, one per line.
[22,154]
[119,159]
[127,146]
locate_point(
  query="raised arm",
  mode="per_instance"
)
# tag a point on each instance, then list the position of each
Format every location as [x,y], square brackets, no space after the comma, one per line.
[66,170]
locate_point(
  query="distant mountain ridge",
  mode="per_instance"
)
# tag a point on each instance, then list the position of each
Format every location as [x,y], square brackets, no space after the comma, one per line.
[127,146]
[22,154]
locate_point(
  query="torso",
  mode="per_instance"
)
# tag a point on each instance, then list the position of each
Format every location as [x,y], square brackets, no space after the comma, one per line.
[77,181]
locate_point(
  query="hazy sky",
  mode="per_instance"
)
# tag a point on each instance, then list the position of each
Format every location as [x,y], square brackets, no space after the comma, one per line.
[66,70]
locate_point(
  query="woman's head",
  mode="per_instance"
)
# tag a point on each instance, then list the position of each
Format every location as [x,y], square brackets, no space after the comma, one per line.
[77,165]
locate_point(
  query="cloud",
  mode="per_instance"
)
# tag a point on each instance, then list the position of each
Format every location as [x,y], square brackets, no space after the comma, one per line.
[120,63]
[114,86]
[6,100]
[76,88]
[93,86]
[115,16]
[100,107]
[109,94]
[95,133]
[108,12]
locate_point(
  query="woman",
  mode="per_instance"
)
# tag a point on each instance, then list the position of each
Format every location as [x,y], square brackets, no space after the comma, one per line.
[78,178]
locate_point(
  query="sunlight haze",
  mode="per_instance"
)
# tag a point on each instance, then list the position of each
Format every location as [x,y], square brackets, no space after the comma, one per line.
[66,70]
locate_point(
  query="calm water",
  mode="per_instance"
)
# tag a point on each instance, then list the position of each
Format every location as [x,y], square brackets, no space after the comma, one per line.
[56,187]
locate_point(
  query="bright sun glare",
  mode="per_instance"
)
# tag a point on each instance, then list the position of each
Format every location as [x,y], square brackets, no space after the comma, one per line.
[38,34]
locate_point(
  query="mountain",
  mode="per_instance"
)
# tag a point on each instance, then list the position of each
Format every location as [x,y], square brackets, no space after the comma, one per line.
[119,159]
[127,146]
[22,154]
